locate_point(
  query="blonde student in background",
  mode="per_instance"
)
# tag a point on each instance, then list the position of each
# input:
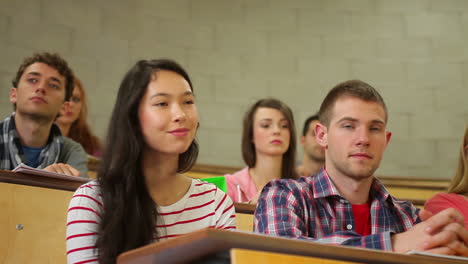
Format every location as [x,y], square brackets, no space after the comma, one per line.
[457,194]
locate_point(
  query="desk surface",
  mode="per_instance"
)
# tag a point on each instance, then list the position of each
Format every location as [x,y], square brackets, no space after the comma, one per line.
[209,241]
[41,181]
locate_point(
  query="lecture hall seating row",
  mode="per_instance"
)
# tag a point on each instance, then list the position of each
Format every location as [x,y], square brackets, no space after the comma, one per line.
[33,218]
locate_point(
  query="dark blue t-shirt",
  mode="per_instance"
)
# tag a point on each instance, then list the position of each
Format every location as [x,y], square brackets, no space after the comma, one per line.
[32,156]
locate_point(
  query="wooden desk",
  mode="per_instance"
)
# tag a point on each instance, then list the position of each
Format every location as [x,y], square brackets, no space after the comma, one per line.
[244,208]
[240,256]
[244,216]
[41,181]
[205,242]
[33,217]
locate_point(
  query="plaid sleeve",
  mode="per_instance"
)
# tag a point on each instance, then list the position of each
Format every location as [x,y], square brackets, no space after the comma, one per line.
[381,241]
[279,213]
[288,209]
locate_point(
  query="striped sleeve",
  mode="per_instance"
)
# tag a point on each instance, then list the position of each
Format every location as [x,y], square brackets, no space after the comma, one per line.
[84,216]
[224,211]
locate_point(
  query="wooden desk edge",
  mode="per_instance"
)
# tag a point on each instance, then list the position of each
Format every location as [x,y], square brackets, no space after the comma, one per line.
[243,208]
[209,241]
[39,181]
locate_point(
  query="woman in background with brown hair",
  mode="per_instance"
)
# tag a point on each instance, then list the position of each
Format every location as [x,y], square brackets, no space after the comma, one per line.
[268,149]
[457,196]
[73,121]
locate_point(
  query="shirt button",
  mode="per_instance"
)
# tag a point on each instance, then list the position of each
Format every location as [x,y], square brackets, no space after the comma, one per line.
[349,227]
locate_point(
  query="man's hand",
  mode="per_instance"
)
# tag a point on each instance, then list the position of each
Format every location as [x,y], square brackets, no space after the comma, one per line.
[425,214]
[442,233]
[63,169]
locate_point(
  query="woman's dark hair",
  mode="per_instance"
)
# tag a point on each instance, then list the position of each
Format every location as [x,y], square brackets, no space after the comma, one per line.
[129,217]
[248,147]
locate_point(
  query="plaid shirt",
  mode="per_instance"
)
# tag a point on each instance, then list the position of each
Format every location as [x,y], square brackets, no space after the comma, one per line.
[11,152]
[311,208]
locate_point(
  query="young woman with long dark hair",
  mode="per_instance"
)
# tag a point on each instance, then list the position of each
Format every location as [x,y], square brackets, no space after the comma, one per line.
[140,195]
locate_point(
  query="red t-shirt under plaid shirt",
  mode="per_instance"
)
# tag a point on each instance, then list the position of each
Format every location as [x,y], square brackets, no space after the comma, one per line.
[362,222]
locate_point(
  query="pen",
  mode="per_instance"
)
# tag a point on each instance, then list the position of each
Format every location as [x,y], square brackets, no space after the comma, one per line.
[239,193]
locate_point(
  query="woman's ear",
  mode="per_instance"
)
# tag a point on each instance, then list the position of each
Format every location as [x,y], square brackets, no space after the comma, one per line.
[321,134]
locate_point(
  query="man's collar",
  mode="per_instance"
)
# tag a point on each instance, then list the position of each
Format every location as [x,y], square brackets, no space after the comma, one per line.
[54,130]
[323,187]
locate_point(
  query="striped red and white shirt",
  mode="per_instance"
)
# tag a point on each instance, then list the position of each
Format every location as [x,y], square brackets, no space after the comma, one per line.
[204,205]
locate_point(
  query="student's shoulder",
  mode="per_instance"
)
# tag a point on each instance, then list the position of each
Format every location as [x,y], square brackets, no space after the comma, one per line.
[404,206]
[71,145]
[445,199]
[237,174]
[205,188]
[91,188]
[199,185]
[291,185]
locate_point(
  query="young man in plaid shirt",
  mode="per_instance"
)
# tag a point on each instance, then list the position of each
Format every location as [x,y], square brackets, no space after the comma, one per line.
[345,204]
[42,84]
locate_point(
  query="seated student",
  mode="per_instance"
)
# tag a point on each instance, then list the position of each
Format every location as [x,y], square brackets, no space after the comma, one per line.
[344,203]
[140,195]
[268,149]
[457,196]
[73,124]
[43,82]
[313,157]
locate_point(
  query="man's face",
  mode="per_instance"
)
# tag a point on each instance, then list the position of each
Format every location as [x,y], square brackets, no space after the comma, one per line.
[311,147]
[40,92]
[355,139]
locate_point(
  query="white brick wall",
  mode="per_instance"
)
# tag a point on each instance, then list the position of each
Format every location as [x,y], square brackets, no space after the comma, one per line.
[27,10]
[414,52]
[39,36]
[229,36]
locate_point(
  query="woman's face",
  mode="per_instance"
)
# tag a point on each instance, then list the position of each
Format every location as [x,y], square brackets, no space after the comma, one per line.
[167,113]
[271,133]
[70,110]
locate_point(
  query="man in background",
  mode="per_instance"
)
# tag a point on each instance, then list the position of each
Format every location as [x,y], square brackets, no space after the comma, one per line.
[42,84]
[313,156]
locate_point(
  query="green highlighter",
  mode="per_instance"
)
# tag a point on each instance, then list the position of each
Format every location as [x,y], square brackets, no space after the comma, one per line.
[220,182]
